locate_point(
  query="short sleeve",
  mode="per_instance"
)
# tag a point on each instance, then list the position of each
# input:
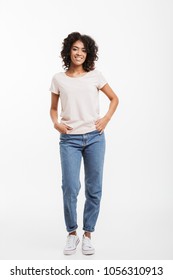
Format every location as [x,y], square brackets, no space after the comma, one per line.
[54,85]
[101,80]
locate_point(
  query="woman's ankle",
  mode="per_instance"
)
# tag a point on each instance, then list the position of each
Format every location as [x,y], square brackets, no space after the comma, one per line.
[73,233]
[87,234]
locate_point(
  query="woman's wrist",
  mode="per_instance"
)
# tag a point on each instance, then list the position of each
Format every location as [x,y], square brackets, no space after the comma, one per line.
[107,118]
[56,123]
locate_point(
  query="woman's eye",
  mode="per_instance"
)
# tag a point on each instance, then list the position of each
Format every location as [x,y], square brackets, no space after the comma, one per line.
[74,49]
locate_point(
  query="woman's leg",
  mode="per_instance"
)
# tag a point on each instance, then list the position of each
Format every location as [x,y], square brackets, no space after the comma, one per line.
[93,155]
[70,154]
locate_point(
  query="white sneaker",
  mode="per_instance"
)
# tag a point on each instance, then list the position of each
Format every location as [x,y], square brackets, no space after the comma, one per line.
[71,244]
[87,247]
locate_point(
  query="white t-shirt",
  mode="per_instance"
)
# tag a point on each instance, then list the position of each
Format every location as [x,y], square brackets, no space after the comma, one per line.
[79,99]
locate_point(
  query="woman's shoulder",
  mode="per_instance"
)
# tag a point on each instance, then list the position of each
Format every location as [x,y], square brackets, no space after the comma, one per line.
[96,72]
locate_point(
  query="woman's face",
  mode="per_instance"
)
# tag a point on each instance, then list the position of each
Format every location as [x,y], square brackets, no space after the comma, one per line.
[78,53]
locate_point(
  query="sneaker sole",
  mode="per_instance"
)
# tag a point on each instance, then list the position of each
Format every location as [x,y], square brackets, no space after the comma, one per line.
[88,252]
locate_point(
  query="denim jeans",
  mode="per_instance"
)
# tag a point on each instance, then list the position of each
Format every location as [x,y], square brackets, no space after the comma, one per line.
[73,147]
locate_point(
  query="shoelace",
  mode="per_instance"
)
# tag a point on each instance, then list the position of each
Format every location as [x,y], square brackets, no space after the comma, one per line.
[87,242]
[70,240]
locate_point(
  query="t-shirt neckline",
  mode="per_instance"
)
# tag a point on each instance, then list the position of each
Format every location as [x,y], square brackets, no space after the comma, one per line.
[77,77]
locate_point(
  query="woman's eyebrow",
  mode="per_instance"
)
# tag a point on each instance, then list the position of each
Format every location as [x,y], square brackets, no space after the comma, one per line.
[77,47]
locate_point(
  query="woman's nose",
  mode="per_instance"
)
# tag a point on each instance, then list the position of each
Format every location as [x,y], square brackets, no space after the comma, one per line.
[79,52]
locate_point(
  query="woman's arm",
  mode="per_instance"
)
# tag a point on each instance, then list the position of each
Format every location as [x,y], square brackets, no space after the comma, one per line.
[62,128]
[101,123]
[54,107]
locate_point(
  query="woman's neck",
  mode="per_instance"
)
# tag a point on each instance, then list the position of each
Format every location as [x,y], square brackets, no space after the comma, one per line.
[75,70]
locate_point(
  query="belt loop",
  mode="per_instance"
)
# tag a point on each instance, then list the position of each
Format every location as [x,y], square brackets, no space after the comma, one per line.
[84,139]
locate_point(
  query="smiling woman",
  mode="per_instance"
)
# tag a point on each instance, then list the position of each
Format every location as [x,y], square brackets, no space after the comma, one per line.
[81,133]
[78,52]
[75,45]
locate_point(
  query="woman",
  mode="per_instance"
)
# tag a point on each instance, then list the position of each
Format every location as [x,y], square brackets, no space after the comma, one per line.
[81,133]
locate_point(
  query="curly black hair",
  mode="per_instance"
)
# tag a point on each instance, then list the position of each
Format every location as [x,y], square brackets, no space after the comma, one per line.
[90,46]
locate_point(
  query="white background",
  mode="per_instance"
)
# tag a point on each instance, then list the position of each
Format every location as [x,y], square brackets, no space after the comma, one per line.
[135,56]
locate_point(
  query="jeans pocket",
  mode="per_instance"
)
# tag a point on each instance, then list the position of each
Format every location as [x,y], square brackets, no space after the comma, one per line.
[63,137]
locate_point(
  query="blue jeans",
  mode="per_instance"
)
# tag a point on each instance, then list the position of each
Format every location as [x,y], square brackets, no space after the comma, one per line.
[73,147]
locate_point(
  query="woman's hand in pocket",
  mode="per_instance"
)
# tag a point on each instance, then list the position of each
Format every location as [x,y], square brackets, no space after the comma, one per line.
[62,128]
[101,124]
